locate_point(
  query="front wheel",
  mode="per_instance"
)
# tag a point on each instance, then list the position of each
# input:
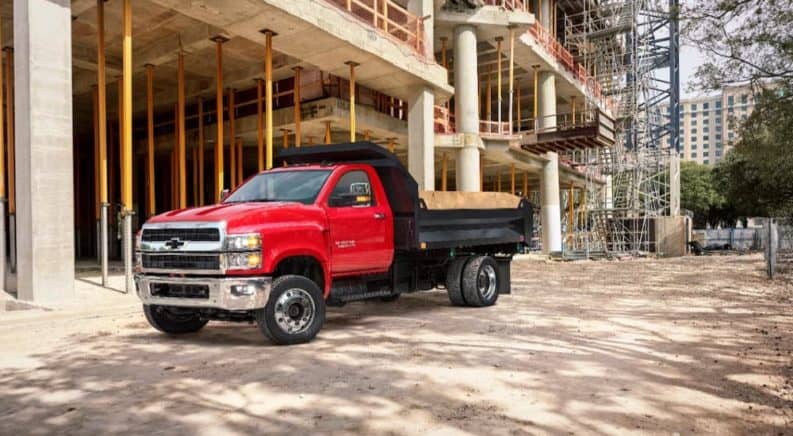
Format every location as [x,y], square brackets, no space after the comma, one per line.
[174,321]
[295,311]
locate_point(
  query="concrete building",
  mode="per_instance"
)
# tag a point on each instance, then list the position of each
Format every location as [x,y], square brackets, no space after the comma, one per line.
[163,103]
[709,124]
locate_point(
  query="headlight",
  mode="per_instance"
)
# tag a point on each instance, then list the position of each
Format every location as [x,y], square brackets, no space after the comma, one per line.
[247,241]
[251,260]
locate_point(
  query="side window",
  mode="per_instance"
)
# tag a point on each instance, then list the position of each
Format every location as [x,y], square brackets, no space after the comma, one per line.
[353,189]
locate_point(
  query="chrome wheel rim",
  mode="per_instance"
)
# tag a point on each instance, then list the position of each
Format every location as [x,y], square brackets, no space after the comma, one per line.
[486,282]
[294,311]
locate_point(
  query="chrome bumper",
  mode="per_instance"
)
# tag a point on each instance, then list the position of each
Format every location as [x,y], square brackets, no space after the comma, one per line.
[255,291]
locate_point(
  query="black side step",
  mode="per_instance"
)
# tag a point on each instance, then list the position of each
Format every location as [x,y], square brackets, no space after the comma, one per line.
[344,291]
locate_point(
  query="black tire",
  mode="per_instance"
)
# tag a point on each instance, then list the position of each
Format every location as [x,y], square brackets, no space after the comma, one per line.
[173,321]
[480,282]
[390,298]
[296,303]
[454,277]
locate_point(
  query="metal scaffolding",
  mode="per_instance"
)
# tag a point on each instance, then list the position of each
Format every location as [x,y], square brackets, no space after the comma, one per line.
[630,47]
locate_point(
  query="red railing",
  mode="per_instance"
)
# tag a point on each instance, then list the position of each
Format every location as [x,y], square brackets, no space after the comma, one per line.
[561,54]
[494,128]
[444,120]
[512,5]
[390,18]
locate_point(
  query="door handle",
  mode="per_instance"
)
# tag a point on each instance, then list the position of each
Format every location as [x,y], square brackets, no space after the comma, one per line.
[379,216]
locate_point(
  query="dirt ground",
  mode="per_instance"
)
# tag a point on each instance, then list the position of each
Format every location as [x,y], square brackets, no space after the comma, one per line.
[680,346]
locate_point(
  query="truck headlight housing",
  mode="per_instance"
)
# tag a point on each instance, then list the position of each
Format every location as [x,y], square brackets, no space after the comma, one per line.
[244,260]
[244,242]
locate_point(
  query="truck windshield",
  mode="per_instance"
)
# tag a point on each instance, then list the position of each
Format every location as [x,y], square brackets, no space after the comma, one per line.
[299,186]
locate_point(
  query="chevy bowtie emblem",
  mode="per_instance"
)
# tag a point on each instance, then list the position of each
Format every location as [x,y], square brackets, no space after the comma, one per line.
[174,244]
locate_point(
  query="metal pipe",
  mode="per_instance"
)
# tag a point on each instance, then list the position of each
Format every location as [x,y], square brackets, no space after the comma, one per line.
[97,200]
[232,139]
[285,138]
[219,114]
[444,171]
[526,185]
[11,167]
[511,76]
[201,151]
[268,95]
[498,66]
[328,136]
[104,240]
[126,197]
[536,95]
[298,114]
[259,125]
[352,99]
[181,150]
[101,104]
[489,96]
[3,184]
[512,179]
[150,178]
[240,172]
[444,60]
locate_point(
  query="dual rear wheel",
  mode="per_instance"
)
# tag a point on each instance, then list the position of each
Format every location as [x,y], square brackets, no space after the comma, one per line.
[472,281]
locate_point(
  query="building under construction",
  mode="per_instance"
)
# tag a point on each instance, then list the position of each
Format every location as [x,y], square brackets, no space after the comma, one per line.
[114,111]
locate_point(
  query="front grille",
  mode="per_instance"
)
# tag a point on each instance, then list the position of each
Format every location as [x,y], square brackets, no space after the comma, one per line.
[178,290]
[186,262]
[187,234]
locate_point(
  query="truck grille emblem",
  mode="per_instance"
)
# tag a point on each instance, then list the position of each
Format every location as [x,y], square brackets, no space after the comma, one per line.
[174,244]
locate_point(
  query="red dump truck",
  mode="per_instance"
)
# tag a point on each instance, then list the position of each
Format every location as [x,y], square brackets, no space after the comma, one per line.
[328,225]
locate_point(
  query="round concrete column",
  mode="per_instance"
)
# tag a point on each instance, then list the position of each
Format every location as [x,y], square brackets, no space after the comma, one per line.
[466,107]
[547,100]
[549,199]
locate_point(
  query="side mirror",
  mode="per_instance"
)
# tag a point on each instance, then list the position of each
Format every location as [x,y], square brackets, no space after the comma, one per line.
[224,194]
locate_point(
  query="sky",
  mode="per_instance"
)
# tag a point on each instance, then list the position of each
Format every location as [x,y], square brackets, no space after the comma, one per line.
[690,59]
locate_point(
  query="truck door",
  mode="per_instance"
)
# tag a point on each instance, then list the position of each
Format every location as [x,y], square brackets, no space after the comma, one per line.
[361,233]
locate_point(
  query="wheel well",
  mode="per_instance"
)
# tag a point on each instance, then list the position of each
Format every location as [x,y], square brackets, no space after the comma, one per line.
[305,266]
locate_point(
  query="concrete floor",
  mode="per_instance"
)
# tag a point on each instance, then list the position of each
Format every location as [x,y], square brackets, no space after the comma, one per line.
[691,345]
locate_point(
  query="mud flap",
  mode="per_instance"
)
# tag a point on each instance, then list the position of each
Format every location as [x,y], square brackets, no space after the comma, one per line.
[504,274]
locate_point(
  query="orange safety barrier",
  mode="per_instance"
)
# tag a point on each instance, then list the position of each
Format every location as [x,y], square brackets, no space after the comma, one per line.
[390,18]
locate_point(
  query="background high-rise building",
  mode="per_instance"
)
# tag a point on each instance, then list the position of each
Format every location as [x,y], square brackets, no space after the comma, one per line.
[709,125]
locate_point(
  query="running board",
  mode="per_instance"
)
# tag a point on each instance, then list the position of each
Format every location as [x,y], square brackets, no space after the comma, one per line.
[345,291]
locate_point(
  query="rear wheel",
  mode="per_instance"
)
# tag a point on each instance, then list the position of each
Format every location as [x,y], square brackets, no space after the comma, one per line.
[454,281]
[173,320]
[295,311]
[480,282]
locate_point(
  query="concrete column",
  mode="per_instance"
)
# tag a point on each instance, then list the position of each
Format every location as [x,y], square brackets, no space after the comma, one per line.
[546,113]
[545,13]
[549,199]
[466,107]
[44,179]
[421,137]
[424,8]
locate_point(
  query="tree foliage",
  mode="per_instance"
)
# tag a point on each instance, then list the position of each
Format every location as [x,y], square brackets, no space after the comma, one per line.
[756,176]
[742,40]
[699,194]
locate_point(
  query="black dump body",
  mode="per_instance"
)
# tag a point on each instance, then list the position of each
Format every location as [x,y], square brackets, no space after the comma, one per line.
[415,226]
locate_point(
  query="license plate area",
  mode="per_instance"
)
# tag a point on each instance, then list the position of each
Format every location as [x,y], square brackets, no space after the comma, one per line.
[179,290]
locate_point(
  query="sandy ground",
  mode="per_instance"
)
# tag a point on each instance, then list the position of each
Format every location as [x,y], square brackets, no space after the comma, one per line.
[688,346]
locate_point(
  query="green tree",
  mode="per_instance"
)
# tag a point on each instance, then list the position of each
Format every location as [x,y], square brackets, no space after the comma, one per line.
[698,193]
[742,40]
[756,176]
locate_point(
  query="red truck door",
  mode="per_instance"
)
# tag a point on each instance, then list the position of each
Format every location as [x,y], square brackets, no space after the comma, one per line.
[361,229]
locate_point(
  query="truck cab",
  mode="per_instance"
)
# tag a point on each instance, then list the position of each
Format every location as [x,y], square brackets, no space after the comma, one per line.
[327,226]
